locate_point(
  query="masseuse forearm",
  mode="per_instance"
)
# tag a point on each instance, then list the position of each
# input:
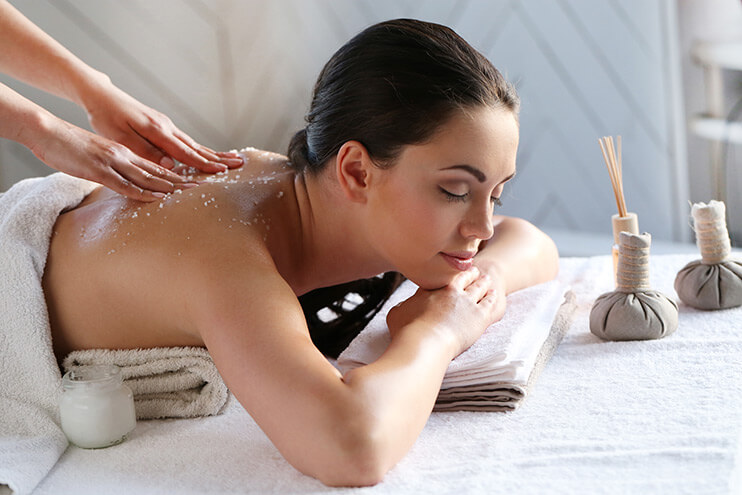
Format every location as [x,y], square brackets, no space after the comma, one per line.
[39,60]
[520,253]
[20,119]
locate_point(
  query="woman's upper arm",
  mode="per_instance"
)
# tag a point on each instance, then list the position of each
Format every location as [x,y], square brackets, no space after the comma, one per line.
[254,328]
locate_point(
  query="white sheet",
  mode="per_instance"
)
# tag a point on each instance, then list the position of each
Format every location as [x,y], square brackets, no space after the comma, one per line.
[656,417]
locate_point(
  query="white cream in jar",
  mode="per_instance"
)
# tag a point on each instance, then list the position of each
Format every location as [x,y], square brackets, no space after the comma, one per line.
[96,409]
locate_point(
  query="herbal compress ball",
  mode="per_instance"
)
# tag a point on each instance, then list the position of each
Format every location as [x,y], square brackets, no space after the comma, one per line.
[714,281]
[633,311]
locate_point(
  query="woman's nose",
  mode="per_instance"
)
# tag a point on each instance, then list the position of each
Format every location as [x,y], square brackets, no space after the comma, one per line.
[478,223]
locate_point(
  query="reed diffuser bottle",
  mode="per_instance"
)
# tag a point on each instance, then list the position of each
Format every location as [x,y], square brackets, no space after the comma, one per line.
[624,220]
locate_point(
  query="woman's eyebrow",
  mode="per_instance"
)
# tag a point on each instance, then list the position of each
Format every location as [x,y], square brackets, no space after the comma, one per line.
[478,174]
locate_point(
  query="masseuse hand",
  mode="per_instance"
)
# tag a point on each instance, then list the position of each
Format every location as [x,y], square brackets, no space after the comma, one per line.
[136,145]
[75,151]
[149,133]
[460,311]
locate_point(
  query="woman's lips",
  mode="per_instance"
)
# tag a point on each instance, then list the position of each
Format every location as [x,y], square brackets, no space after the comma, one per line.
[460,261]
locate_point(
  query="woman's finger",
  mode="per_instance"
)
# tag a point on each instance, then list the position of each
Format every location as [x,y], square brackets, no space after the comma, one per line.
[464,279]
[489,298]
[479,287]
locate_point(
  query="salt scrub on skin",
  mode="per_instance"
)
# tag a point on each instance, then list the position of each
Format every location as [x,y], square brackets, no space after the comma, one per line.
[96,409]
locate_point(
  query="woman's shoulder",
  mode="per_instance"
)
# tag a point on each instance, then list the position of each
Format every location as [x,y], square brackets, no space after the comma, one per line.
[223,223]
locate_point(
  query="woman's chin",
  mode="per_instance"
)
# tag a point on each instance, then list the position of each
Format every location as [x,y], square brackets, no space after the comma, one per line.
[428,282]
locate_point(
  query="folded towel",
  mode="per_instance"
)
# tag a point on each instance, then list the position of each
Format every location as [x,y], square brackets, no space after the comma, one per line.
[31,439]
[496,372]
[175,382]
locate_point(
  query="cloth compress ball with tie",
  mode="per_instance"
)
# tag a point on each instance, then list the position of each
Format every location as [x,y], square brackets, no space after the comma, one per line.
[714,281]
[633,311]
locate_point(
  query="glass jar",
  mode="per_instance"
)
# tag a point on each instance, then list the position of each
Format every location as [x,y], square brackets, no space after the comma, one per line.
[96,409]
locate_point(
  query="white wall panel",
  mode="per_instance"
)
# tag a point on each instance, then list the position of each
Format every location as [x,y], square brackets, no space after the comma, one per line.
[234,73]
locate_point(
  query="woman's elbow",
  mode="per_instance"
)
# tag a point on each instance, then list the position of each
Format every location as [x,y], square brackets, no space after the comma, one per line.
[353,471]
[358,456]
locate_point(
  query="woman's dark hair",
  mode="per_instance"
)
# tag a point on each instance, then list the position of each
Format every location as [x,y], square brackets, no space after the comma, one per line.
[394,84]
[335,315]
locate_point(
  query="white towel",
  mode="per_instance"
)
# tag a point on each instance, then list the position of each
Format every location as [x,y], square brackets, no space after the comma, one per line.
[31,439]
[167,382]
[497,370]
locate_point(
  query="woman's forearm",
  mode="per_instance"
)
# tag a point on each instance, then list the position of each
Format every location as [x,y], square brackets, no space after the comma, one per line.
[519,253]
[394,396]
[39,60]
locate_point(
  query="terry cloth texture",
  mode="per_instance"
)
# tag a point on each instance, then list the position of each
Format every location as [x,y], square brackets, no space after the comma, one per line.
[31,439]
[496,372]
[167,382]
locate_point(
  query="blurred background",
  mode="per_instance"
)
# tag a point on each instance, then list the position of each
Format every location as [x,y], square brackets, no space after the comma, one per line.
[664,74]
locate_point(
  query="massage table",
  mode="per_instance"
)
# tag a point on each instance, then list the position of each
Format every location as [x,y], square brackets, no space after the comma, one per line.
[644,417]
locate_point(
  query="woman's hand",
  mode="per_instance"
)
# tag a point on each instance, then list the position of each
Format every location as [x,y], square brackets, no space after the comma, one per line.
[147,132]
[460,311]
[77,152]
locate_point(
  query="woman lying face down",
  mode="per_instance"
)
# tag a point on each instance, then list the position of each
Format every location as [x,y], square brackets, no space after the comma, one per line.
[410,140]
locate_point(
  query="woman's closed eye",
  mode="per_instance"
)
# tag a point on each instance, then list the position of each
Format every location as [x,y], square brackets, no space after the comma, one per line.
[464,196]
[454,197]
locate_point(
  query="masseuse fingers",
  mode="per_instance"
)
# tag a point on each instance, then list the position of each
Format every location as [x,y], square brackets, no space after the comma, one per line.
[229,158]
[145,149]
[181,147]
[189,156]
[143,182]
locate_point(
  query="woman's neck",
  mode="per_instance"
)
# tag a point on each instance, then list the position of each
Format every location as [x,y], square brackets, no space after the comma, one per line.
[332,246]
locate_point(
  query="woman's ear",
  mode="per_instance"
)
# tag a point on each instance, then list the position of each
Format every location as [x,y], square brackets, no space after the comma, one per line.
[353,167]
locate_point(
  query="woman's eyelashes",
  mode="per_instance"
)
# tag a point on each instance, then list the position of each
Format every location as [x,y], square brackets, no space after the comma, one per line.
[496,203]
[454,197]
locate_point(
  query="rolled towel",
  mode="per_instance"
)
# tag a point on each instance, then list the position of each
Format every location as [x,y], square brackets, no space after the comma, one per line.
[167,382]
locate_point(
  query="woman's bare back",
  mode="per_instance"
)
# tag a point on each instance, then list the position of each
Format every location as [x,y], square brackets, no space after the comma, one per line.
[120,273]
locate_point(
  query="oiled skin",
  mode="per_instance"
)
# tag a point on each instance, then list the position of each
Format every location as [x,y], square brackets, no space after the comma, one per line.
[118,271]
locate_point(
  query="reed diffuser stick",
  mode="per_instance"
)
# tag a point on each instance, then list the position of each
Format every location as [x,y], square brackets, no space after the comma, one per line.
[624,221]
[615,170]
